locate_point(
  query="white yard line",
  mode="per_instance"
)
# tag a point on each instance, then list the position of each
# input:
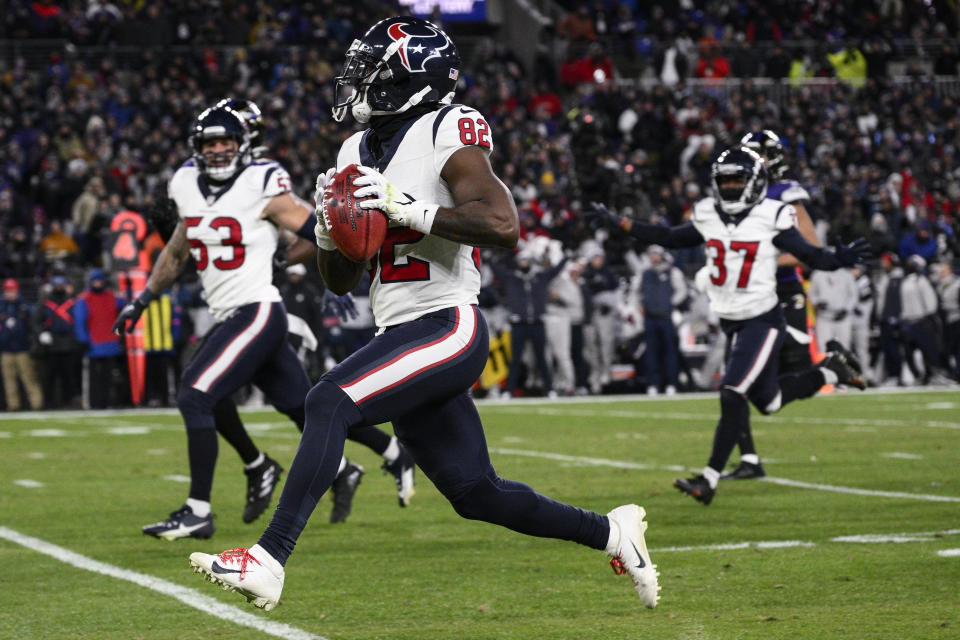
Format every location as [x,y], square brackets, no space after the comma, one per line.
[187,596]
[711,417]
[620,464]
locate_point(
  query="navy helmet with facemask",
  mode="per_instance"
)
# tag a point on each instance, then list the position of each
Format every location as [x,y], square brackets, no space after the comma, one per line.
[768,146]
[398,63]
[739,180]
[254,119]
[221,122]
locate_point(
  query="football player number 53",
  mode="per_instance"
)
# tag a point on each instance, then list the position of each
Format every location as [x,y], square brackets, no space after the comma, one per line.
[233,238]
[718,252]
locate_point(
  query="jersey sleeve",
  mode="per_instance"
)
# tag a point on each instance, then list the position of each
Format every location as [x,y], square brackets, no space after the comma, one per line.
[276,181]
[794,193]
[176,186]
[458,127]
[785,218]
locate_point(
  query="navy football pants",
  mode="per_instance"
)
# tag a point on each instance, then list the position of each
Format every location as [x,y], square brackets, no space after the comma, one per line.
[418,375]
[249,346]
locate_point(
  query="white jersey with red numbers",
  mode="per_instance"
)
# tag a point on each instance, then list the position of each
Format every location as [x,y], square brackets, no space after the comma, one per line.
[230,241]
[414,274]
[741,256]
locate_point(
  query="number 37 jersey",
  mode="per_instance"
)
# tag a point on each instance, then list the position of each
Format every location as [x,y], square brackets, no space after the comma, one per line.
[414,274]
[230,242]
[741,256]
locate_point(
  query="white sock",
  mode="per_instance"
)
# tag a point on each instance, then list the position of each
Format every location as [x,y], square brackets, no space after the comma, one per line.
[613,542]
[712,476]
[829,377]
[750,458]
[256,463]
[343,464]
[392,451]
[201,508]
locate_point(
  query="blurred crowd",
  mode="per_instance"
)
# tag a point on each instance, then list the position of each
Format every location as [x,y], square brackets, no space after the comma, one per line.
[621,105]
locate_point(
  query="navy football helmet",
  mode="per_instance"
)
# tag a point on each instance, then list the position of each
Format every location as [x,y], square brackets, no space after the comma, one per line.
[768,146]
[739,180]
[250,112]
[397,64]
[221,122]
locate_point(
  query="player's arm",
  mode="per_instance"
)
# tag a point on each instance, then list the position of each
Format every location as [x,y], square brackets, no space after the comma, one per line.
[168,266]
[805,225]
[287,211]
[685,235]
[483,215]
[792,241]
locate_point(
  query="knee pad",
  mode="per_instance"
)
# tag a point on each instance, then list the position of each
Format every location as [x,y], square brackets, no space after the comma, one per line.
[730,398]
[473,502]
[327,403]
[196,407]
[771,407]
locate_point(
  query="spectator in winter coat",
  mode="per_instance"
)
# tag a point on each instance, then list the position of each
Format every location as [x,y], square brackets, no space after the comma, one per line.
[919,242]
[919,317]
[526,300]
[15,359]
[94,315]
[948,288]
[57,345]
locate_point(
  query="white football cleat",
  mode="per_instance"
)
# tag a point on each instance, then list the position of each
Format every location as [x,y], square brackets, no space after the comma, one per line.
[253,573]
[629,552]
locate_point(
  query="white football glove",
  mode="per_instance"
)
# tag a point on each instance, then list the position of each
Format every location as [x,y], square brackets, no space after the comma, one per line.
[322,230]
[387,197]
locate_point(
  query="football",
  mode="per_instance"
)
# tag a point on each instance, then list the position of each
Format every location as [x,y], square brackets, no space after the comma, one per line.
[357,232]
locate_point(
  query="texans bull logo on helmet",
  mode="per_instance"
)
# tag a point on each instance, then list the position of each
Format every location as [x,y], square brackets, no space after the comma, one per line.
[417,48]
[398,63]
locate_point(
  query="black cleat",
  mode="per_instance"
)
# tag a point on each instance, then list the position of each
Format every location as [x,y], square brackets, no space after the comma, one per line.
[837,362]
[745,471]
[261,481]
[343,488]
[402,471]
[181,524]
[696,487]
[852,360]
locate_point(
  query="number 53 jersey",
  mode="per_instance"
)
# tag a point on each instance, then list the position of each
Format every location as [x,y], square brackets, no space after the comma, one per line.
[415,274]
[232,244]
[741,257]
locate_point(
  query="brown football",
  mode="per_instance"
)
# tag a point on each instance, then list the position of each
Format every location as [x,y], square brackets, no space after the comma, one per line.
[357,232]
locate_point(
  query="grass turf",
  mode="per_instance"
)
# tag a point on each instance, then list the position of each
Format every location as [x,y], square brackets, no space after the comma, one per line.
[424,573]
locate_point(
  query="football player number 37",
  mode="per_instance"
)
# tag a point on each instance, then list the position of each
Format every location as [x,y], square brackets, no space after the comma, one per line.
[232,237]
[718,275]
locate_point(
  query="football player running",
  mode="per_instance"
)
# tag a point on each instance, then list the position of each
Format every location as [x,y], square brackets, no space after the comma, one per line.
[795,354]
[425,164]
[230,205]
[396,461]
[744,232]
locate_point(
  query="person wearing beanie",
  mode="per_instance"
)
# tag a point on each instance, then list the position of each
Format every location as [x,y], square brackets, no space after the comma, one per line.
[94,314]
[15,360]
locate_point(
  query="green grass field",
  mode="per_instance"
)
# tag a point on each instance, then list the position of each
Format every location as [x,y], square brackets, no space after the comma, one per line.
[849,537]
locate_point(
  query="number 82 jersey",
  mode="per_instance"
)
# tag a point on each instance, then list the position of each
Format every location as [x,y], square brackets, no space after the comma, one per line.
[415,274]
[741,256]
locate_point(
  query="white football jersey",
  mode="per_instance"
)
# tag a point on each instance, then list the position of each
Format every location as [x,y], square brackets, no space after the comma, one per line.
[741,258]
[414,274]
[232,244]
